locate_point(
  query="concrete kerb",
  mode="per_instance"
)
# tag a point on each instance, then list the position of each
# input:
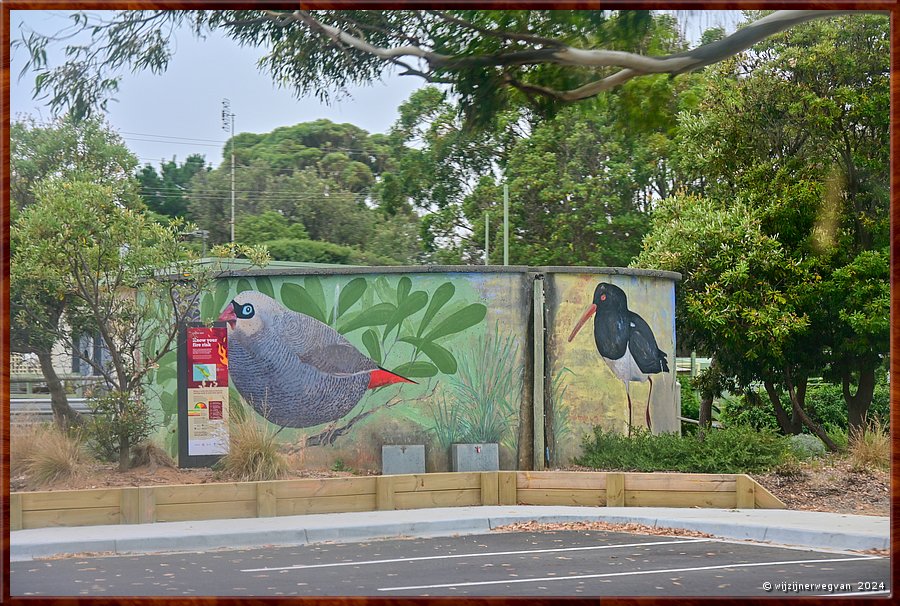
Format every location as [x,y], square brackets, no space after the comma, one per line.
[804,529]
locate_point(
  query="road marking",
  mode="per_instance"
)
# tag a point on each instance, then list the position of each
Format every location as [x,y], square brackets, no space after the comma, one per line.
[622,574]
[474,555]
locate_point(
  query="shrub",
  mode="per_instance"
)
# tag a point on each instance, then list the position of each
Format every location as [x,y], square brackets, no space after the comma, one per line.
[117,414]
[838,435]
[731,450]
[55,456]
[253,455]
[870,447]
[806,446]
[749,410]
[314,251]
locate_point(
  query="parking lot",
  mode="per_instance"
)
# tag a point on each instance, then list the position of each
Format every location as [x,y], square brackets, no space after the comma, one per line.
[549,563]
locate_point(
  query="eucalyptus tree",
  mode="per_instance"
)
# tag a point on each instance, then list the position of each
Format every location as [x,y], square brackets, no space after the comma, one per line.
[487,58]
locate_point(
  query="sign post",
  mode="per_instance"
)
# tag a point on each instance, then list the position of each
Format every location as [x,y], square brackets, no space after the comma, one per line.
[202,394]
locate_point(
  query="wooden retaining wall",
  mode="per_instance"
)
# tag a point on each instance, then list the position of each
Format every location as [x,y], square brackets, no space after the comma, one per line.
[414,491]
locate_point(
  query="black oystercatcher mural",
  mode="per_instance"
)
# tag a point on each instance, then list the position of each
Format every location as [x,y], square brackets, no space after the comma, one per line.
[619,378]
[625,342]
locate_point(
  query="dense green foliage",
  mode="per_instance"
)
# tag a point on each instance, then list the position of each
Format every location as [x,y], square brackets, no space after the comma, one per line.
[788,198]
[731,450]
[762,179]
[165,192]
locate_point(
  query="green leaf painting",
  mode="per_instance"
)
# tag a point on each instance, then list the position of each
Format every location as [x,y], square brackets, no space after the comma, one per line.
[377,315]
[208,308]
[385,292]
[314,287]
[297,298]
[244,285]
[409,305]
[264,285]
[370,342]
[416,370]
[350,294]
[442,294]
[404,285]
[223,289]
[459,321]
[443,359]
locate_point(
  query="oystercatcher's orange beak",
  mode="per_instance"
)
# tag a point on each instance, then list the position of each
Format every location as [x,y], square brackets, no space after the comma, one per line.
[587,314]
[227,315]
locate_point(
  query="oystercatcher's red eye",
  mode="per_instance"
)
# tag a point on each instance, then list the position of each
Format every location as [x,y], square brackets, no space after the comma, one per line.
[603,297]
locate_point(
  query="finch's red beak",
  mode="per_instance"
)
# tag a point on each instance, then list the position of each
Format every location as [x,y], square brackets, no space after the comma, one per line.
[227,315]
[587,314]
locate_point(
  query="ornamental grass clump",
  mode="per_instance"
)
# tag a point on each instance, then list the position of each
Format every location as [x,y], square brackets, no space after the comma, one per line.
[55,456]
[870,447]
[254,454]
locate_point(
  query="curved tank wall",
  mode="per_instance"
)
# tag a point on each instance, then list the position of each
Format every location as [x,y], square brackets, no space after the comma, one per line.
[582,388]
[466,335]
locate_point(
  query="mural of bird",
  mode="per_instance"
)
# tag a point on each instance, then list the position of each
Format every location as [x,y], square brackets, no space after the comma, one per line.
[625,341]
[293,369]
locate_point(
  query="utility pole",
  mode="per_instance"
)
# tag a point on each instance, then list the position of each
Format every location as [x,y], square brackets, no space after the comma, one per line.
[505,224]
[487,223]
[228,116]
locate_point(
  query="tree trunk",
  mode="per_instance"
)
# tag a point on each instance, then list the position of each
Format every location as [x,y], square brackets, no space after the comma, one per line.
[798,396]
[784,421]
[63,414]
[124,454]
[705,421]
[858,404]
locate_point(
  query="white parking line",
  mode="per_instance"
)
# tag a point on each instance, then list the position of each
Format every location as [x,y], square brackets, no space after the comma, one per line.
[474,555]
[622,574]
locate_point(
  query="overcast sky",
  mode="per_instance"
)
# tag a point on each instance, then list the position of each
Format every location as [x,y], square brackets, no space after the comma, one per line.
[179,112]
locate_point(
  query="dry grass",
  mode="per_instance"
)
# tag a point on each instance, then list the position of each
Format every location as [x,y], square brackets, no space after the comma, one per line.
[24,437]
[254,454]
[149,454]
[53,456]
[870,447]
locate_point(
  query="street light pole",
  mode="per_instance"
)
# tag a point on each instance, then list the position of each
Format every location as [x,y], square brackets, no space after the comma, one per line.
[228,115]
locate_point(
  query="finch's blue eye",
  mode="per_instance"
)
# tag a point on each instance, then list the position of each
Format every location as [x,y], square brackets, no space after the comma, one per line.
[247,310]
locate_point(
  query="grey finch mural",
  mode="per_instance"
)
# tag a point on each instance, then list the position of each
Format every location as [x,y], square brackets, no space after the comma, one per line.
[293,369]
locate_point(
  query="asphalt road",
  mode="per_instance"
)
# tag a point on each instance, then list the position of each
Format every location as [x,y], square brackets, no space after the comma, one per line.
[550,563]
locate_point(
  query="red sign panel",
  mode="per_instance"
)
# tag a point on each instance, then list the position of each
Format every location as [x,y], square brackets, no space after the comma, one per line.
[207,357]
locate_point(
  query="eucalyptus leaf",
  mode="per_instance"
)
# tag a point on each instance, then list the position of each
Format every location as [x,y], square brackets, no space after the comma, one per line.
[264,285]
[370,341]
[441,356]
[243,285]
[415,370]
[377,315]
[208,308]
[459,321]
[314,287]
[404,285]
[441,295]
[410,305]
[385,292]
[296,297]
[350,294]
